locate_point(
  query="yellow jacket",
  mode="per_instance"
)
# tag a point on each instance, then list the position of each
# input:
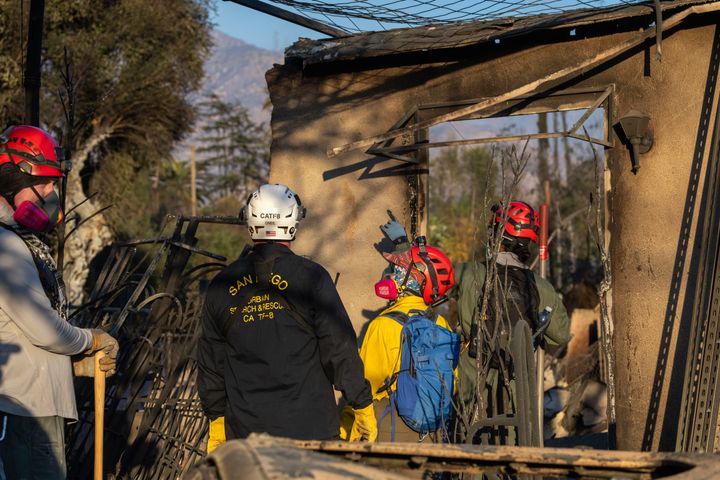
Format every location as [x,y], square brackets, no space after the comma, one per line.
[380,350]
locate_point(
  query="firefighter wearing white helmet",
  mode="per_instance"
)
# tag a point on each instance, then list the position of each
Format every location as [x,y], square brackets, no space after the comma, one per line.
[273,212]
[276,339]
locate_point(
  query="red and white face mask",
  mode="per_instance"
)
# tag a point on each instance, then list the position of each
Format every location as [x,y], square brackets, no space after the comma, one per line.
[40,218]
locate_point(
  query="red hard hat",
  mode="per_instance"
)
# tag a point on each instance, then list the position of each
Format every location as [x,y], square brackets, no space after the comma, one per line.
[522,220]
[33,150]
[436,269]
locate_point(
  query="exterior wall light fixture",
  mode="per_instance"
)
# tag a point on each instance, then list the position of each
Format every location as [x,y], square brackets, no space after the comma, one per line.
[635,127]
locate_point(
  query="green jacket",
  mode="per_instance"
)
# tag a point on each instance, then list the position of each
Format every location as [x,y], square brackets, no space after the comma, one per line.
[469,283]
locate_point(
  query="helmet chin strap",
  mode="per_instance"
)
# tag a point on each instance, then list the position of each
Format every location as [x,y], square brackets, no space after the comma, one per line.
[431,270]
[9,199]
[37,194]
[402,288]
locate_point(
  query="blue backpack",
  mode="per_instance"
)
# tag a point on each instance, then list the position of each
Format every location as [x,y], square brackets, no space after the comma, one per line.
[428,356]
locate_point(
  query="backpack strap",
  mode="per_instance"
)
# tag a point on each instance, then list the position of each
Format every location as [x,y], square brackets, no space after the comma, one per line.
[533,300]
[400,317]
[475,322]
[429,313]
[390,409]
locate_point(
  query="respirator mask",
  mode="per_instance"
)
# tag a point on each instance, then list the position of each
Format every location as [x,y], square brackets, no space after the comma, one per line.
[386,289]
[395,283]
[42,217]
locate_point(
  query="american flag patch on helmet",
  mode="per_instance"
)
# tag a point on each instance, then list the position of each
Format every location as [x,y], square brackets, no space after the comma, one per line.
[270,233]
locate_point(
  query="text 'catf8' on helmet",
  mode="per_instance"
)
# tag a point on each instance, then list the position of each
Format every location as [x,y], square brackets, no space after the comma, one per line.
[522,220]
[33,151]
[272,212]
[429,266]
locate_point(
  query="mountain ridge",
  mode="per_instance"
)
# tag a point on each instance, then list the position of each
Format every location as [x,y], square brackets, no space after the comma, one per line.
[235,71]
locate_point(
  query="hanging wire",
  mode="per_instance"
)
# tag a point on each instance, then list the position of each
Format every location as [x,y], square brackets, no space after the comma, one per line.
[370,15]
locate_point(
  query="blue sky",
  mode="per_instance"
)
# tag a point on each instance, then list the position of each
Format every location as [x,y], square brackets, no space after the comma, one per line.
[257,28]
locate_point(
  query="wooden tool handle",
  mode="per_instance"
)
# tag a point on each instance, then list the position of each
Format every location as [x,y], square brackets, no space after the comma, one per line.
[99,415]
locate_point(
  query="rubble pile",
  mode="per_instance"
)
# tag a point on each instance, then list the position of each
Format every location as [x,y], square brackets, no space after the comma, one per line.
[575,394]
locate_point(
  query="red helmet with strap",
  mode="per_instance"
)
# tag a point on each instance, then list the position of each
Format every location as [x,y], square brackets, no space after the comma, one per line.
[523,221]
[33,151]
[435,267]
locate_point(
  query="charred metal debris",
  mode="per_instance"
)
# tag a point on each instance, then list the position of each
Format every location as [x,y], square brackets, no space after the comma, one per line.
[268,458]
[154,425]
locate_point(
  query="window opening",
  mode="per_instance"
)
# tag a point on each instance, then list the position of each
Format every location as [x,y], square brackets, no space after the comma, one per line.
[474,163]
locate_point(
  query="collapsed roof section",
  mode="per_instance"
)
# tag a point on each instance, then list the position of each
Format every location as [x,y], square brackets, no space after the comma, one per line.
[419,41]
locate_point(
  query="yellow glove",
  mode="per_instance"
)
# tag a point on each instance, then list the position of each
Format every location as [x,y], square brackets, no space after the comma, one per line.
[217,434]
[364,428]
[347,417]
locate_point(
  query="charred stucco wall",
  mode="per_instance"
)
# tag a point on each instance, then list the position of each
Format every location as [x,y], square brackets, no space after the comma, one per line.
[314,110]
[653,271]
[347,200]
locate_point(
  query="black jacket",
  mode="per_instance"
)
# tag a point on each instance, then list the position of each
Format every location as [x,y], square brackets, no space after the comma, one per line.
[266,371]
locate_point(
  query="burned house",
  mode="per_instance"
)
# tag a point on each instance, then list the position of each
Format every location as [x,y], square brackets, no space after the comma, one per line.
[350,133]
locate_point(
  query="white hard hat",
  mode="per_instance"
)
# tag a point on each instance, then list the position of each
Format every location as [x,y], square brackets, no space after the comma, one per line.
[272,212]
